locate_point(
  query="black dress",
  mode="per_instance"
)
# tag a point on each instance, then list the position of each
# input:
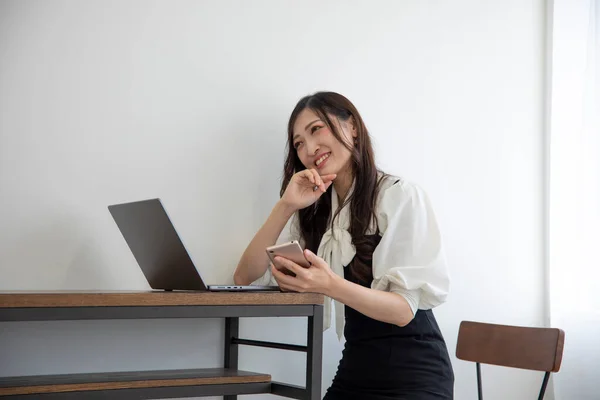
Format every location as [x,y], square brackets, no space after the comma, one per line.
[382,361]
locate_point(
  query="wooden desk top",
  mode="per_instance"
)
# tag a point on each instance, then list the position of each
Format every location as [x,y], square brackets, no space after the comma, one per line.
[24,299]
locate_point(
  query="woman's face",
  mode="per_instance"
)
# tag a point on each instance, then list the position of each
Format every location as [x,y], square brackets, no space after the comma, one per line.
[316,145]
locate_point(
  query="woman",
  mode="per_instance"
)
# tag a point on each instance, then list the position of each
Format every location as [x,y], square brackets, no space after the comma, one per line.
[374,248]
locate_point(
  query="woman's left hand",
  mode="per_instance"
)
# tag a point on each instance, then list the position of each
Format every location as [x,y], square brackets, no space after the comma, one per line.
[316,279]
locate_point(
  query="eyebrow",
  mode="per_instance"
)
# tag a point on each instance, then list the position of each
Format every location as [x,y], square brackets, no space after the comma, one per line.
[307,126]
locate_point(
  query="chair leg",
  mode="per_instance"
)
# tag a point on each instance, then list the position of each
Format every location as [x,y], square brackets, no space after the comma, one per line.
[479,388]
[544,384]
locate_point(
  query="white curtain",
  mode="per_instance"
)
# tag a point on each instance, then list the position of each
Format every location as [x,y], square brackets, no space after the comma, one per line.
[574,194]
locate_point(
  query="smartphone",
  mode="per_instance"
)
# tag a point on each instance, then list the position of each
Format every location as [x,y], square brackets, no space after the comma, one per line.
[292,251]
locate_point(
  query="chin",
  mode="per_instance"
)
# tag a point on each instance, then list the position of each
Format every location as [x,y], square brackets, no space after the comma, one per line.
[328,169]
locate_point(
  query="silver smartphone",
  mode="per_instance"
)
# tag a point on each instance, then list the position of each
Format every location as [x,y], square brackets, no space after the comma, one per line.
[292,251]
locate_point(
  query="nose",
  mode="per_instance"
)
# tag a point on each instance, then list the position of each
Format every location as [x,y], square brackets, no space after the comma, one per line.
[312,148]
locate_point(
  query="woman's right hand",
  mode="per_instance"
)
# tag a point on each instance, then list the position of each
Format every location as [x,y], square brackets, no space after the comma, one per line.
[300,192]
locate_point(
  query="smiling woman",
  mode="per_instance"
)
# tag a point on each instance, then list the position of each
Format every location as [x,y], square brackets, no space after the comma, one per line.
[328,125]
[375,250]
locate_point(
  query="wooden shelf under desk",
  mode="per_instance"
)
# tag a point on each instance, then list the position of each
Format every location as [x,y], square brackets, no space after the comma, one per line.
[94,382]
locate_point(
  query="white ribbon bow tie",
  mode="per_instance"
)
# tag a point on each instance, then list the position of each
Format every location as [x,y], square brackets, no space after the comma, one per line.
[337,250]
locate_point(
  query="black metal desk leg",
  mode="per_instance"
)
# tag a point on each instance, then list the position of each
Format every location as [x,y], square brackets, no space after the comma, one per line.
[232,330]
[314,356]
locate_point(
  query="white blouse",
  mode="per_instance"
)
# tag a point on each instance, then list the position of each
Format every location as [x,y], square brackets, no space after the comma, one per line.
[409,259]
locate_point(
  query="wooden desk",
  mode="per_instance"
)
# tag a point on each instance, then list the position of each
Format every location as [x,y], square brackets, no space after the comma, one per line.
[227,381]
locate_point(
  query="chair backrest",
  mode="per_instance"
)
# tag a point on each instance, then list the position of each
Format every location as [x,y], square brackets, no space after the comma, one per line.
[537,349]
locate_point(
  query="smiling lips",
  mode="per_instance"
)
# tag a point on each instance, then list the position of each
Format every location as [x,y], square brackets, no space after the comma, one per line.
[321,161]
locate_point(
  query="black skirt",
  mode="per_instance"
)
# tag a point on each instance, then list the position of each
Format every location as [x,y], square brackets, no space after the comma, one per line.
[382,361]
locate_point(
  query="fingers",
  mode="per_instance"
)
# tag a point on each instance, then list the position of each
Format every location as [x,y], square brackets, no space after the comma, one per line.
[318,181]
[312,257]
[292,266]
[328,177]
[284,281]
[282,270]
[307,173]
[315,260]
[314,178]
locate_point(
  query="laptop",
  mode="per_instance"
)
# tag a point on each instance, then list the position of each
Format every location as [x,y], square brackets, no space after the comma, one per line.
[158,250]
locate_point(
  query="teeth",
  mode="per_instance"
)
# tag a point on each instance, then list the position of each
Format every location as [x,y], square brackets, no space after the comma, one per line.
[320,160]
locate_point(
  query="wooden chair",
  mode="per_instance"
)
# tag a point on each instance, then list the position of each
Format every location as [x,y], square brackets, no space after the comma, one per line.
[538,349]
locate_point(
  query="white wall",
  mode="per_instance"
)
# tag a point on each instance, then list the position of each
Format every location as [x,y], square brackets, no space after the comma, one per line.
[110,101]
[575,194]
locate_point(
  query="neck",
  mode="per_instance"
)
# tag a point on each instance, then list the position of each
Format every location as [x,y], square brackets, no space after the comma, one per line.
[342,184]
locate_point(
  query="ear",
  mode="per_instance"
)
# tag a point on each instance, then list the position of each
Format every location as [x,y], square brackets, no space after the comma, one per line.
[352,124]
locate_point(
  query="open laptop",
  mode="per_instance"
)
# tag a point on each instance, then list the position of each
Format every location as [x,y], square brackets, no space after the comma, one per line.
[159,251]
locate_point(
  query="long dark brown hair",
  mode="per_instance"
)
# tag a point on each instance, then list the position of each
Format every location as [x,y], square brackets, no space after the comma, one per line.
[313,219]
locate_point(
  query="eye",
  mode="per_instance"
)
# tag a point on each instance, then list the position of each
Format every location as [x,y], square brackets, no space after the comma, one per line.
[315,128]
[297,145]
